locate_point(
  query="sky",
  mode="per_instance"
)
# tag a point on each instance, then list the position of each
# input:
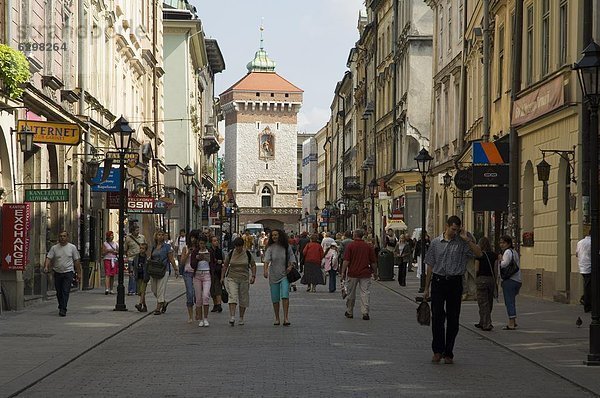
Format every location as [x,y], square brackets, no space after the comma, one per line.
[310,41]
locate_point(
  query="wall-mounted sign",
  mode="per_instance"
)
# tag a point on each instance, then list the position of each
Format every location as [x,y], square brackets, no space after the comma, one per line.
[490,153]
[463,179]
[492,174]
[140,204]
[16,223]
[490,198]
[539,102]
[52,132]
[112,182]
[46,195]
[112,199]
[117,155]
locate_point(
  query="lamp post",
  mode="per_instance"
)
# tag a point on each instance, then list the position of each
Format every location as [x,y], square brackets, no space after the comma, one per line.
[230,217]
[328,207]
[121,134]
[588,72]
[424,164]
[306,216]
[235,216]
[188,177]
[373,191]
[316,218]
[221,203]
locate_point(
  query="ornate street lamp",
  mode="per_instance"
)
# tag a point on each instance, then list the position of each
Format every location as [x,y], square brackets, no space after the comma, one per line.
[121,134]
[316,209]
[373,192]
[26,139]
[447,180]
[588,72]
[188,178]
[424,164]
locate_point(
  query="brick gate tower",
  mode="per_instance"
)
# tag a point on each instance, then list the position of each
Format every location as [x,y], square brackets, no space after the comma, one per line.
[260,113]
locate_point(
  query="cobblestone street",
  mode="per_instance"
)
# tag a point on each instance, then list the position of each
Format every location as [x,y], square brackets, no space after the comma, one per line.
[321,354]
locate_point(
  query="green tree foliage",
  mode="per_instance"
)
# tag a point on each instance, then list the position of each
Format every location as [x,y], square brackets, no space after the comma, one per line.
[14,70]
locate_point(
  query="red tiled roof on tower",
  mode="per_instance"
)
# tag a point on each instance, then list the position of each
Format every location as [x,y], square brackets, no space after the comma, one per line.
[264,81]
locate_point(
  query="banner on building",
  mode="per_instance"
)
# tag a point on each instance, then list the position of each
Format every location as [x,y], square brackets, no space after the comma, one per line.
[490,153]
[140,204]
[16,223]
[539,102]
[52,132]
[112,182]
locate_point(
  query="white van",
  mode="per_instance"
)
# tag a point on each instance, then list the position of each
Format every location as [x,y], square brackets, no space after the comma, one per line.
[255,229]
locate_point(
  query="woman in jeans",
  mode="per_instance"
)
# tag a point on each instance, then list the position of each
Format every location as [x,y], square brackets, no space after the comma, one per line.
[279,261]
[486,284]
[162,252]
[512,285]
[188,251]
[201,264]
[240,269]
[330,265]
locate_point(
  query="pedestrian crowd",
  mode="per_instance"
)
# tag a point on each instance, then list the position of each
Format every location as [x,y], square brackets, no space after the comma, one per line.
[213,274]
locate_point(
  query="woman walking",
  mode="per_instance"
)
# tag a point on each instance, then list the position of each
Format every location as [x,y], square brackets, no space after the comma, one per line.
[201,265]
[216,290]
[109,258]
[512,284]
[188,251]
[140,270]
[279,260]
[239,272]
[331,265]
[486,284]
[162,252]
[313,255]
[402,256]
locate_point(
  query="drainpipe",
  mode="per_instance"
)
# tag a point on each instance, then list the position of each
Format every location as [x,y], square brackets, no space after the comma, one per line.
[155,179]
[463,91]
[584,118]
[9,18]
[514,166]
[486,70]
[395,91]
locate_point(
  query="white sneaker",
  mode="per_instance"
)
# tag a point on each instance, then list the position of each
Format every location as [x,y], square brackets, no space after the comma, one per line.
[201,324]
[206,323]
[232,321]
[241,321]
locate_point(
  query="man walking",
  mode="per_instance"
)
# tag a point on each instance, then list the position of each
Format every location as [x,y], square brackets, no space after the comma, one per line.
[359,265]
[63,258]
[132,246]
[446,262]
[583,253]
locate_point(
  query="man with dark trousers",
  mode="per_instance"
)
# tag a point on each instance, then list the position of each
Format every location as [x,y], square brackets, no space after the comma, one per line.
[446,262]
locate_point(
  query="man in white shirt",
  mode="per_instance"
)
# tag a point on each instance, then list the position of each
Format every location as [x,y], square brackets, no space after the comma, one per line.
[583,253]
[327,241]
[63,258]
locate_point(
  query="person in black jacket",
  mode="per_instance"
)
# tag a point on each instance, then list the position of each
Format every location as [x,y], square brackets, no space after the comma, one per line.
[301,244]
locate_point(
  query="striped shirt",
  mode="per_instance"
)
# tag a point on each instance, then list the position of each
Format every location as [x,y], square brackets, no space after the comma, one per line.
[448,257]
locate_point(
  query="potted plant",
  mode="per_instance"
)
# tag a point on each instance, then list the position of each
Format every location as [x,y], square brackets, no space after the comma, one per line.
[14,71]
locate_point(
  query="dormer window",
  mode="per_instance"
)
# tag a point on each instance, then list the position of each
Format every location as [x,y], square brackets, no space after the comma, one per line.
[258,94]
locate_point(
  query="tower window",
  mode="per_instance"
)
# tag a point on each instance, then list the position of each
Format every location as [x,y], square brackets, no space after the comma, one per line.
[286,95]
[272,94]
[258,94]
[277,125]
[266,197]
[258,125]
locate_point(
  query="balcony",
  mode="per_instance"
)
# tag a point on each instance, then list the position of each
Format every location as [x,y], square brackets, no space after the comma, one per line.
[352,185]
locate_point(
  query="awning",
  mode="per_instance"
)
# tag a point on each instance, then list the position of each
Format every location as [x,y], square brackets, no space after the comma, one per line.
[396,225]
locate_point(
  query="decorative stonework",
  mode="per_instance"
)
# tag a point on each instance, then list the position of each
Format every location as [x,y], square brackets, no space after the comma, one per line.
[270,210]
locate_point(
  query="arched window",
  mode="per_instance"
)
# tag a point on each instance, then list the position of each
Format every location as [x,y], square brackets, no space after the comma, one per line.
[266,197]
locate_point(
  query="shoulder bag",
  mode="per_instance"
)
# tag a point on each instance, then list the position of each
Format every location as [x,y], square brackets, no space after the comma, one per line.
[293,275]
[155,268]
[511,269]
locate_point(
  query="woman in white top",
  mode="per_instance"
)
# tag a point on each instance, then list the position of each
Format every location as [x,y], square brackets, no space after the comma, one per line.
[109,258]
[202,280]
[512,284]
[331,264]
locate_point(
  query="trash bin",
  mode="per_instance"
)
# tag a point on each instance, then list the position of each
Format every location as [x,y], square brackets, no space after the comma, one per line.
[385,265]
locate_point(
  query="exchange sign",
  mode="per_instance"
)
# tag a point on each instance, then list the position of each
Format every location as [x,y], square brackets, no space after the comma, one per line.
[46,195]
[16,223]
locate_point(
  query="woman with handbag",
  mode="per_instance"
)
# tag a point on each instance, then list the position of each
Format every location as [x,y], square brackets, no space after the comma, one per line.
[189,250]
[486,284]
[161,257]
[201,264]
[279,261]
[239,272]
[511,279]
[109,258]
[313,256]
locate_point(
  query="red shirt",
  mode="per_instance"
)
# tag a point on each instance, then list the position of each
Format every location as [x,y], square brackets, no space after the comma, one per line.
[361,256]
[313,253]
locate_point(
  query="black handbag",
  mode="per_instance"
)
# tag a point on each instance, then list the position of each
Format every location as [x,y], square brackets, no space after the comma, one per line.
[424,313]
[510,269]
[224,294]
[156,269]
[293,275]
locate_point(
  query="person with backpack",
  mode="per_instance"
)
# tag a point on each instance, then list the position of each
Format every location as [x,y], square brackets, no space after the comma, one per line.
[511,279]
[239,272]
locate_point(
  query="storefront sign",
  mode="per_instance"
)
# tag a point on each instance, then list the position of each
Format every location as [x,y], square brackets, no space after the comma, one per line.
[52,132]
[539,102]
[140,204]
[490,153]
[46,195]
[112,182]
[117,155]
[490,198]
[463,179]
[16,222]
[112,199]
[491,175]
